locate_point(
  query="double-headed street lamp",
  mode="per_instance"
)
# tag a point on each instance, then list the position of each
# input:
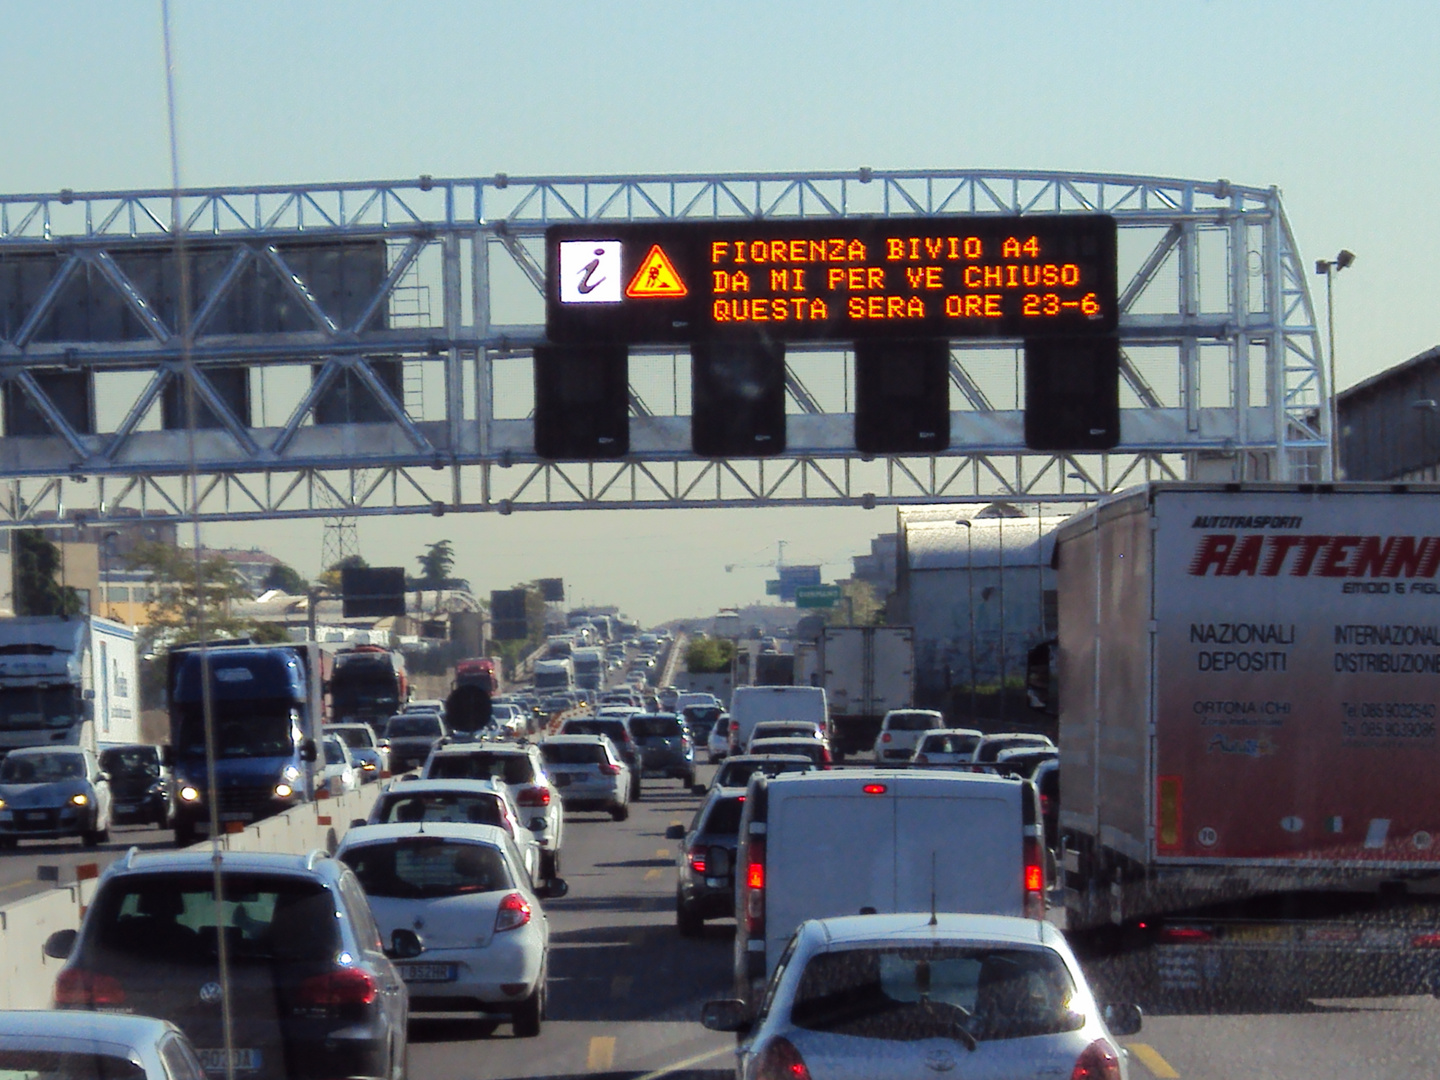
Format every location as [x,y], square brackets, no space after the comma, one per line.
[1331,267]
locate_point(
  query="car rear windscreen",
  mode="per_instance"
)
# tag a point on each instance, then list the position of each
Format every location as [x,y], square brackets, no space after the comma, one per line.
[67,1065]
[171,918]
[912,722]
[511,768]
[573,754]
[988,992]
[463,808]
[951,744]
[427,867]
[418,724]
[724,819]
[663,727]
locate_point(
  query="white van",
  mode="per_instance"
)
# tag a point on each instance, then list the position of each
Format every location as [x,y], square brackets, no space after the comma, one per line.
[820,844]
[751,704]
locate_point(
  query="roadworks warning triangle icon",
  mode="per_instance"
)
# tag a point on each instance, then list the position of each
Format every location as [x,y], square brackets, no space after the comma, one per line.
[656,278]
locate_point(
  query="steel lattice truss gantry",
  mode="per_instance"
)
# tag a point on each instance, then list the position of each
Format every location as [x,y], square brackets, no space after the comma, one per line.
[1221,369]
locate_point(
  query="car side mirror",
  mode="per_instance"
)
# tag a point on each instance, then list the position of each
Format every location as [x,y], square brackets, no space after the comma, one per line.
[308,751]
[404,945]
[698,789]
[727,1014]
[676,832]
[383,744]
[553,889]
[356,823]
[60,944]
[1123,1018]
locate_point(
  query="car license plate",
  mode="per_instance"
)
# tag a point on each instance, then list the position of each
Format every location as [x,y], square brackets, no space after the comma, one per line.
[122,806]
[1258,934]
[427,972]
[34,815]
[243,1060]
[238,815]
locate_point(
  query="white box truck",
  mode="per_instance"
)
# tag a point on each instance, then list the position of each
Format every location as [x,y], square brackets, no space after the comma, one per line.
[67,680]
[751,704]
[866,671]
[1249,682]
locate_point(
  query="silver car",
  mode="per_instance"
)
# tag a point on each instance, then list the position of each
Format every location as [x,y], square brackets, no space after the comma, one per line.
[53,791]
[885,997]
[95,1047]
[589,772]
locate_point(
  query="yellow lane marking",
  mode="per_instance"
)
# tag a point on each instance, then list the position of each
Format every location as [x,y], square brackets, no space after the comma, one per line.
[653,873]
[1158,1066]
[602,1053]
[676,821]
[620,986]
[676,1066]
[662,852]
[19,884]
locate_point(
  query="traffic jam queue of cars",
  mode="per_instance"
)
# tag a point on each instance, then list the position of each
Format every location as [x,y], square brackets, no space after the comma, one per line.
[867,900]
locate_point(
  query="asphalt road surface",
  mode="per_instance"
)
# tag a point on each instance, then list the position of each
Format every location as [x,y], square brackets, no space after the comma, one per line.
[626,991]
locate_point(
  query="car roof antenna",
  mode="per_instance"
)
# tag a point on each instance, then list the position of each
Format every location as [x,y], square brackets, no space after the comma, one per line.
[933,920]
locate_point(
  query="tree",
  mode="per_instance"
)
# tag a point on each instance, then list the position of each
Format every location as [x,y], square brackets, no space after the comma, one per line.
[37,566]
[708,655]
[331,577]
[187,595]
[436,564]
[858,605]
[287,579]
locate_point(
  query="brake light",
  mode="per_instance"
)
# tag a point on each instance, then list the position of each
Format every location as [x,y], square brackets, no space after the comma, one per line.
[874,789]
[514,913]
[697,859]
[1098,1061]
[1034,879]
[885,737]
[1425,941]
[607,769]
[755,888]
[343,986]
[781,1061]
[825,756]
[1045,804]
[1184,935]
[78,987]
[534,796]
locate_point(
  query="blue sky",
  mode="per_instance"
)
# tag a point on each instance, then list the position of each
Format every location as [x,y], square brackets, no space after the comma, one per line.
[1330,102]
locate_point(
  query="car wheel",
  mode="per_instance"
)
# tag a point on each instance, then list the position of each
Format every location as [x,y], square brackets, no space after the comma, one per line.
[687,922]
[9,843]
[620,812]
[689,779]
[635,788]
[529,1012]
[549,865]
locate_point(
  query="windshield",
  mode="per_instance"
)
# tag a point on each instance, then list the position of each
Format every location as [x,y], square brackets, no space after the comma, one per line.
[242,729]
[472,808]
[950,744]
[350,694]
[413,725]
[135,761]
[908,994]
[511,768]
[913,721]
[171,918]
[724,819]
[428,867]
[574,753]
[334,752]
[41,768]
[30,709]
[615,729]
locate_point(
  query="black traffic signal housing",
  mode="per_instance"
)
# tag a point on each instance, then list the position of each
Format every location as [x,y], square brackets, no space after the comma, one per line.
[902,396]
[737,388]
[582,402]
[1072,393]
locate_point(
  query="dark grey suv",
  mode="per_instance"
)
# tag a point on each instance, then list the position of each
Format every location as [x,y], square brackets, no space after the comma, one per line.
[312,993]
[665,746]
[706,888]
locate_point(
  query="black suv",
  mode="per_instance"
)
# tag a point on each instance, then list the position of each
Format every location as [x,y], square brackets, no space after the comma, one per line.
[140,787]
[706,889]
[665,746]
[312,993]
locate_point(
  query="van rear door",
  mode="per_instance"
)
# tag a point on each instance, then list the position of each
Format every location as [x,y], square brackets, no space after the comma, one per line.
[969,841]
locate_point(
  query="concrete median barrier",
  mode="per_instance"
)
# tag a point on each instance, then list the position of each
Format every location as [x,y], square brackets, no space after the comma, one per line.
[27,975]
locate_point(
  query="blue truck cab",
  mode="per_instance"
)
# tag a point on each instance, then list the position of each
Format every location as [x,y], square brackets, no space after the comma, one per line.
[266,701]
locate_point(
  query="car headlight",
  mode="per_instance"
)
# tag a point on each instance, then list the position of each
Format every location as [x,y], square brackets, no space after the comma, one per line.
[368,766]
[189,793]
[2,804]
[79,799]
[283,790]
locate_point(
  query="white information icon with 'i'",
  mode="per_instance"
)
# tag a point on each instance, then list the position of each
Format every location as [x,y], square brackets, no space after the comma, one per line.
[590,272]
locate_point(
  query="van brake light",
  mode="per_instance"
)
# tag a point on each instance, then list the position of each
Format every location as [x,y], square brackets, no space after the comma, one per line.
[1034,879]
[755,888]
[534,796]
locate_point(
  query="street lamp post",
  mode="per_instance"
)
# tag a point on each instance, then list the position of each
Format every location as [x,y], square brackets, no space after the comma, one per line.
[970,588]
[1329,268]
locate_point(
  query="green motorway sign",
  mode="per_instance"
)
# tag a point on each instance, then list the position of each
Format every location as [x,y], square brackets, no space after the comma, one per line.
[817,596]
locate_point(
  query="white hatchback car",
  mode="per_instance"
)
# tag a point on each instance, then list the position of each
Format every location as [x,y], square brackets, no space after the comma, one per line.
[486,941]
[717,746]
[945,748]
[876,997]
[340,774]
[474,802]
